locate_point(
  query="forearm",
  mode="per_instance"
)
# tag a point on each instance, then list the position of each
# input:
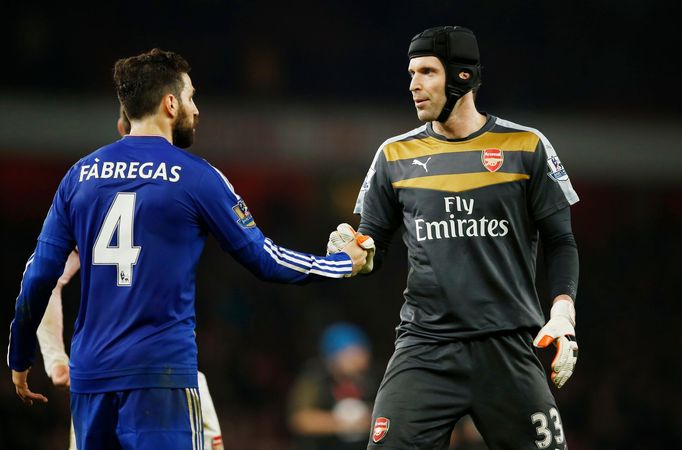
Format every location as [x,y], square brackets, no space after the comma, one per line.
[270,262]
[382,239]
[560,255]
[41,274]
[50,333]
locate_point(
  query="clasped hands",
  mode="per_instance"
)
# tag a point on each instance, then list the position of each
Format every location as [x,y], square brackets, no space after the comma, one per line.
[358,246]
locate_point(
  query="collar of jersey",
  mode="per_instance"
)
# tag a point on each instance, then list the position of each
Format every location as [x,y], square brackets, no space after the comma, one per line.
[490,121]
[144,139]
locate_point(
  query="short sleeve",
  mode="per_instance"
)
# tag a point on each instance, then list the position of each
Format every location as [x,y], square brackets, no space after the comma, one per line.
[550,188]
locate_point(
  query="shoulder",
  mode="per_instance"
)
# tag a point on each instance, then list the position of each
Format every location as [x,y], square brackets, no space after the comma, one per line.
[532,136]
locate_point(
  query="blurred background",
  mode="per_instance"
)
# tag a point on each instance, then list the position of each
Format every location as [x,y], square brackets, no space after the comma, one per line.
[294,101]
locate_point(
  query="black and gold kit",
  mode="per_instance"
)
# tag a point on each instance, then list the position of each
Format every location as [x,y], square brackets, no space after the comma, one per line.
[468,209]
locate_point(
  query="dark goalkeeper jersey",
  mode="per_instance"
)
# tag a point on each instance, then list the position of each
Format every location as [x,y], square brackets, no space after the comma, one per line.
[468,209]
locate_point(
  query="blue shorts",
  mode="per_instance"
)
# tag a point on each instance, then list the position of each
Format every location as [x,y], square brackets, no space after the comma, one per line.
[138,419]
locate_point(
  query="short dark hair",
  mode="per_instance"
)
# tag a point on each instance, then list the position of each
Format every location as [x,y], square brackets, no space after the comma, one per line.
[141,81]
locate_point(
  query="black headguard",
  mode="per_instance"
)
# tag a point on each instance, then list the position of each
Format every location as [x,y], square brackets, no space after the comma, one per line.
[457,49]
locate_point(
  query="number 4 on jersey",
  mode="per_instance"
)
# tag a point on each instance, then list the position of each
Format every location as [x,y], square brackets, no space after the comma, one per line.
[124,254]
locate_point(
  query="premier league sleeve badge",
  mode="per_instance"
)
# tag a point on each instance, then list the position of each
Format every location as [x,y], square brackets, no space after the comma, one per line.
[244,216]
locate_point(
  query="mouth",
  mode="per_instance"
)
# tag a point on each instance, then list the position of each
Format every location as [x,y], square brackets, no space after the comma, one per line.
[419,102]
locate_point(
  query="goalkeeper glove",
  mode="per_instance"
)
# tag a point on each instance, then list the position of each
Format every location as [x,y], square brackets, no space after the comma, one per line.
[560,330]
[343,234]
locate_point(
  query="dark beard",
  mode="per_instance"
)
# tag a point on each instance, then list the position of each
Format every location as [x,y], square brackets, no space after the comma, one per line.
[183,130]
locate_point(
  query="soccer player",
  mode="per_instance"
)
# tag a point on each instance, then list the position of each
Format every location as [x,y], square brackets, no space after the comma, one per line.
[474,195]
[56,361]
[139,211]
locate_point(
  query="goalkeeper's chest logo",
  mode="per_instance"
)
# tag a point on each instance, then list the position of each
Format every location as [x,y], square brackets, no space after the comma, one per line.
[380,430]
[492,159]
[244,216]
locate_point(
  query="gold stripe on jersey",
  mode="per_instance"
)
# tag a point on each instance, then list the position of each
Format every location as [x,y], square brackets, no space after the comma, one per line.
[460,182]
[521,141]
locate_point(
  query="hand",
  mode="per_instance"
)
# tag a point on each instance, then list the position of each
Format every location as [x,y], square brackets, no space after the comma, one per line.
[357,254]
[21,385]
[560,331]
[344,234]
[60,375]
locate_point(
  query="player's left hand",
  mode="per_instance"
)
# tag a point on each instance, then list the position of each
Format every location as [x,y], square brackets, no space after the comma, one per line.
[21,385]
[560,330]
[344,234]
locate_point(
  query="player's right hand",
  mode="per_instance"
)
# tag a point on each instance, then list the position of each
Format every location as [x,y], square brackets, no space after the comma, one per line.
[358,256]
[344,234]
[60,376]
[20,380]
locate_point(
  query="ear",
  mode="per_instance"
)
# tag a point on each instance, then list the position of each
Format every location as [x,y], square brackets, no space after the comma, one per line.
[120,127]
[171,105]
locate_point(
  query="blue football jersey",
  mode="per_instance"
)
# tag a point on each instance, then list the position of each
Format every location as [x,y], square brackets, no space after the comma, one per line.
[139,211]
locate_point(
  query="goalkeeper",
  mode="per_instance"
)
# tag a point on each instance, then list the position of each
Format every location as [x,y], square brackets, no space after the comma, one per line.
[474,195]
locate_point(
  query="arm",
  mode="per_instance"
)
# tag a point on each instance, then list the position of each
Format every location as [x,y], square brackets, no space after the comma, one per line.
[561,259]
[379,210]
[228,218]
[50,331]
[41,274]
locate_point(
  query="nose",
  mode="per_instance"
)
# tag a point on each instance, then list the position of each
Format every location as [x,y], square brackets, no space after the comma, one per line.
[414,84]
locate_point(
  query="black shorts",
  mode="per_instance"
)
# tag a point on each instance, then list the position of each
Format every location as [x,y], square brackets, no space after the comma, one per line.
[498,380]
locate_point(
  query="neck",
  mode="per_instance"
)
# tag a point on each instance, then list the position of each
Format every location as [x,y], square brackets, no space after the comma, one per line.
[463,121]
[152,126]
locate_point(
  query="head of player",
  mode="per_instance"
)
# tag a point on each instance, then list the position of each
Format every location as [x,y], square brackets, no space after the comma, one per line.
[445,71]
[156,94]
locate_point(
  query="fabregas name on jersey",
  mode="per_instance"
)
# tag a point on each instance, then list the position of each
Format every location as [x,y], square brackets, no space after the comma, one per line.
[129,170]
[455,227]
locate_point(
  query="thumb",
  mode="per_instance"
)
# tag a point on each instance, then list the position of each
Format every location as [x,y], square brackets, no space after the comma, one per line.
[365,241]
[544,338]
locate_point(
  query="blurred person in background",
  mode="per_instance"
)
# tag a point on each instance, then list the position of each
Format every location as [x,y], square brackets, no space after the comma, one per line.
[139,210]
[330,403]
[474,195]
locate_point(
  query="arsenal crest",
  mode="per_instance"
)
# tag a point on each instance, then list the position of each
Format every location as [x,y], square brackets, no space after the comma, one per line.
[492,159]
[380,429]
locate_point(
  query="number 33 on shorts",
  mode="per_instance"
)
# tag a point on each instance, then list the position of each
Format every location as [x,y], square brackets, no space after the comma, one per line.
[548,432]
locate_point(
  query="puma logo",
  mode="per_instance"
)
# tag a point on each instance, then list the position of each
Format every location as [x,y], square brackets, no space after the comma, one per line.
[423,164]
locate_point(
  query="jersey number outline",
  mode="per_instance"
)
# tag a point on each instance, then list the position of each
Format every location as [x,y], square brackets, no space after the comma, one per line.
[120,219]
